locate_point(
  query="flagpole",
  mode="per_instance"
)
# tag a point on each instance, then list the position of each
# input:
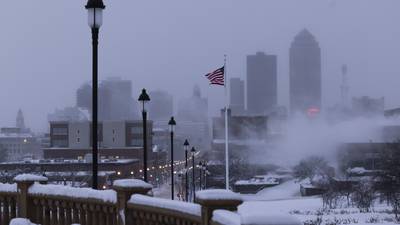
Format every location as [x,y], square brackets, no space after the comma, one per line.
[226,127]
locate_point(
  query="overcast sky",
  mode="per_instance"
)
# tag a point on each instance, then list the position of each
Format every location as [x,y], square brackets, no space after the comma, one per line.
[45,47]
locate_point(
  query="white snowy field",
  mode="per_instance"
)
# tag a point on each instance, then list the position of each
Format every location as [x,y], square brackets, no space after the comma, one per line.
[309,211]
[285,199]
[286,190]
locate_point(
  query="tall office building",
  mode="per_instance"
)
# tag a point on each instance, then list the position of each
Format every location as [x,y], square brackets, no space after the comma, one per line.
[115,99]
[84,97]
[236,96]
[192,120]
[262,91]
[121,102]
[305,73]
[161,106]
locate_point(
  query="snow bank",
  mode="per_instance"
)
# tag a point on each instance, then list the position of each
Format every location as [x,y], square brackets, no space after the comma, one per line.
[59,190]
[185,207]
[285,190]
[29,177]
[226,217]
[217,194]
[20,221]
[8,187]
[134,183]
[357,170]
[258,218]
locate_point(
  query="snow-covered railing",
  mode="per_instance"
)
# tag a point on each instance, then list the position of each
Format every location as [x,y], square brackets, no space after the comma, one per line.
[56,204]
[8,202]
[212,200]
[148,210]
[127,203]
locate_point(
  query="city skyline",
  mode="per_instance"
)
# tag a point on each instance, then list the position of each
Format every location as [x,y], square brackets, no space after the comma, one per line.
[65,59]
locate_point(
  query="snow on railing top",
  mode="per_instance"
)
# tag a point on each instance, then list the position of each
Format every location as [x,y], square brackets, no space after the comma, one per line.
[131,183]
[29,177]
[8,187]
[185,207]
[21,221]
[226,217]
[85,193]
[217,194]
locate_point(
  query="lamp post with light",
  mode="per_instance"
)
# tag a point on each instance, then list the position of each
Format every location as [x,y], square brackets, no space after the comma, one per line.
[186,148]
[193,150]
[144,98]
[172,125]
[95,18]
[201,174]
[205,175]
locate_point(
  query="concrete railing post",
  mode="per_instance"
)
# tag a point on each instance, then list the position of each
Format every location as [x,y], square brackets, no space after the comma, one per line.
[24,181]
[211,200]
[125,189]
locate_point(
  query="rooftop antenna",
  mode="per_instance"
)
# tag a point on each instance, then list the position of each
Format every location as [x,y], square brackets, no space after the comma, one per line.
[344,88]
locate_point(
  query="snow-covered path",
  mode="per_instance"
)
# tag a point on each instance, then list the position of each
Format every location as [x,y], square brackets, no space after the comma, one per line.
[287,190]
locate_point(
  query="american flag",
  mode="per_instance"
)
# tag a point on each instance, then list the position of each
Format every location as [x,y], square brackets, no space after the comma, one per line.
[217,77]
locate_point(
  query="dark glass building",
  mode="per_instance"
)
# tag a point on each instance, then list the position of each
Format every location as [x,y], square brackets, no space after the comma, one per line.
[305,74]
[262,91]
[237,96]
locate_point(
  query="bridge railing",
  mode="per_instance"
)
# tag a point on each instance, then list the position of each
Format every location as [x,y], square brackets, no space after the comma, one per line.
[8,202]
[128,203]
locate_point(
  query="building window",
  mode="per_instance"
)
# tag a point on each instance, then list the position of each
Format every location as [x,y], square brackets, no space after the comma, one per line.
[78,140]
[113,131]
[136,142]
[77,131]
[60,131]
[113,139]
[60,143]
[136,130]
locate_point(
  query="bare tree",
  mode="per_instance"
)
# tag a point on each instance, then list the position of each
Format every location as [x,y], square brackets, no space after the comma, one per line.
[363,195]
[388,178]
[312,166]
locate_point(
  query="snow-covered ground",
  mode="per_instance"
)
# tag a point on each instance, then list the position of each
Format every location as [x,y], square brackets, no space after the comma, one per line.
[289,189]
[164,191]
[286,199]
[309,211]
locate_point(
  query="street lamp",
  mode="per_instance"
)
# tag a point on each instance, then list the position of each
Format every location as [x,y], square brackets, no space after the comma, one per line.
[201,174]
[205,175]
[186,148]
[144,97]
[193,150]
[95,19]
[172,125]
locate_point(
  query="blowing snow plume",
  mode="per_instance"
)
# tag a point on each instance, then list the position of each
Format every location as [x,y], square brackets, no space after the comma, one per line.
[316,136]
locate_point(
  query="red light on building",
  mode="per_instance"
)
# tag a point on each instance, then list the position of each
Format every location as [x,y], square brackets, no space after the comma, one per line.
[313,111]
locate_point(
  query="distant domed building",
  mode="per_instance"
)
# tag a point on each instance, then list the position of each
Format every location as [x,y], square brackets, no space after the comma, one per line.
[305,73]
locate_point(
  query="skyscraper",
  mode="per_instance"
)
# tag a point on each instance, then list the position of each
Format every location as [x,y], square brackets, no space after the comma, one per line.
[192,119]
[115,99]
[236,96]
[305,73]
[160,106]
[120,102]
[262,92]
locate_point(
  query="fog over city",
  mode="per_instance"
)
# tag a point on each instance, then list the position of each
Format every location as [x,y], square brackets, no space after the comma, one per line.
[170,45]
[221,112]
